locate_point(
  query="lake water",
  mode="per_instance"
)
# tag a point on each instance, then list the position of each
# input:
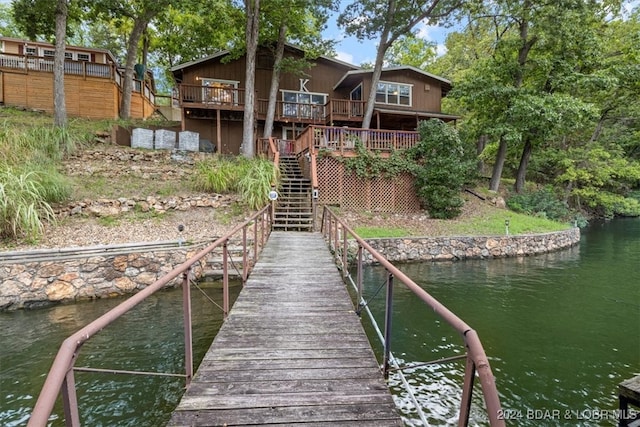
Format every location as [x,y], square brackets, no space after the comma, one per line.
[561,331]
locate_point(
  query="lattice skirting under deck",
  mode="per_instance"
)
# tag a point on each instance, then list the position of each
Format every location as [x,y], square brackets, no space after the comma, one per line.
[339,187]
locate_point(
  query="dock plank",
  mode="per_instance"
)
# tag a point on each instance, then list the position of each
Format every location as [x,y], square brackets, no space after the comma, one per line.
[292,351]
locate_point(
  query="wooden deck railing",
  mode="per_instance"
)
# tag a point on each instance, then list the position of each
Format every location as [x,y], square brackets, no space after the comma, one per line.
[28,63]
[344,139]
[211,97]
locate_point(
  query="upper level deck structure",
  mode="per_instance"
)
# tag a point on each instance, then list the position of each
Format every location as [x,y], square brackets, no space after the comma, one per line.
[329,92]
[292,350]
[93,80]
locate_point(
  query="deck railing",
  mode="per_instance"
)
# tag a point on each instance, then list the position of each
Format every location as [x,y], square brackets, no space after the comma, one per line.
[60,379]
[337,234]
[211,96]
[45,63]
[345,139]
[27,63]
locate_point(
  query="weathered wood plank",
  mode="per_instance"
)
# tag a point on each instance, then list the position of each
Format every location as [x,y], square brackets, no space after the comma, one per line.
[282,386]
[291,352]
[336,414]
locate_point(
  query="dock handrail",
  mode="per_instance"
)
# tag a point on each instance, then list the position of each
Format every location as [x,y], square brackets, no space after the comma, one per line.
[61,375]
[336,232]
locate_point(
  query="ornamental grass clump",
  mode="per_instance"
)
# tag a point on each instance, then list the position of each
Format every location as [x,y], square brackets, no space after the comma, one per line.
[25,197]
[251,178]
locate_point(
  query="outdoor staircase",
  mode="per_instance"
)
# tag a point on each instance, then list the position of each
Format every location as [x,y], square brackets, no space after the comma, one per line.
[293,210]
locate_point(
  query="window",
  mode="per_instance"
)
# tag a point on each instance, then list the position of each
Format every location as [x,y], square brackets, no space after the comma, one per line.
[306,105]
[48,52]
[68,55]
[393,93]
[30,51]
[84,57]
[219,91]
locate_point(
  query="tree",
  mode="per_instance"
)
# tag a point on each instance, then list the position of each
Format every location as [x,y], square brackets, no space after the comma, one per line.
[300,21]
[413,51]
[252,10]
[387,21]
[137,13]
[519,92]
[59,102]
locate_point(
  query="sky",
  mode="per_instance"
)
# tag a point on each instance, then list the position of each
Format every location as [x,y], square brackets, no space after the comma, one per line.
[353,51]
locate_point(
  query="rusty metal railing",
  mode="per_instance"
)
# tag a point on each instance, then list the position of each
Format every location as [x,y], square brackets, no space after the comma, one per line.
[61,375]
[336,232]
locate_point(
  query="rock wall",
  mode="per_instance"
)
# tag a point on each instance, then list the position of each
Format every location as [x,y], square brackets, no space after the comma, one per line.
[477,247]
[119,270]
[37,283]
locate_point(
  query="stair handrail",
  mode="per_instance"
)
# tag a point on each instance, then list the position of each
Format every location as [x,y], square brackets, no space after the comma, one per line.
[60,378]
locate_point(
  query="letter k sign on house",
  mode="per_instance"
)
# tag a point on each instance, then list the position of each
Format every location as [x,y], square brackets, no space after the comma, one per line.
[303,85]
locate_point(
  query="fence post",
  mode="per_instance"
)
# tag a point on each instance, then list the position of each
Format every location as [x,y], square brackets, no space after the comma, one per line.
[70,399]
[245,264]
[359,278]
[467,392]
[186,313]
[388,313]
[225,279]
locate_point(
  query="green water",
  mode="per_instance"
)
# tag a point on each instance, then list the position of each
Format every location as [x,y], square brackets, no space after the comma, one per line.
[148,338]
[561,330]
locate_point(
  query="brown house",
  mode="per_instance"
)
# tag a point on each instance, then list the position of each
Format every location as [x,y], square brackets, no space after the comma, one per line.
[330,93]
[93,80]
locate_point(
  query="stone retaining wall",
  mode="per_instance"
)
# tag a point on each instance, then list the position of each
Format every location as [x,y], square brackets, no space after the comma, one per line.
[35,283]
[477,247]
[38,283]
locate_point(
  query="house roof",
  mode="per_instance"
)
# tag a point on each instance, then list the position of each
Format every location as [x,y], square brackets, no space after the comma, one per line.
[352,76]
[226,52]
[429,114]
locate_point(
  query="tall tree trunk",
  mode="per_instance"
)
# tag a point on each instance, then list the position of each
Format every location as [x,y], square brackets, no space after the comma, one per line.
[481,143]
[522,168]
[275,81]
[498,165]
[251,34]
[139,25]
[59,102]
[377,66]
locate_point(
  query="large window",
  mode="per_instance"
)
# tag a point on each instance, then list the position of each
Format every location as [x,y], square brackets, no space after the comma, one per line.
[305,105]
[393,93]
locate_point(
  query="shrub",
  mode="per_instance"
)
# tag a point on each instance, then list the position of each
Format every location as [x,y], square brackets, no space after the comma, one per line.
[542,203]
[444,168]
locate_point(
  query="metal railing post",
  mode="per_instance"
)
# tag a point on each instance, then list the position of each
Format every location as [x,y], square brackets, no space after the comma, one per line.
[186,314]
[388,314]
[467,392]
[345,258]
[225,279]
[245,264]
[70,400]
[359,277]
[255,240]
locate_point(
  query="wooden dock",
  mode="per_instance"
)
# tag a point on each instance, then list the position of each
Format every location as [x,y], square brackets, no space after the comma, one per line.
[291,352]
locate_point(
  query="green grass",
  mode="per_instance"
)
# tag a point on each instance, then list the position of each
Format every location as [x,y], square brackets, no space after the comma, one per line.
[381,232]
[490,222]
[494,224]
